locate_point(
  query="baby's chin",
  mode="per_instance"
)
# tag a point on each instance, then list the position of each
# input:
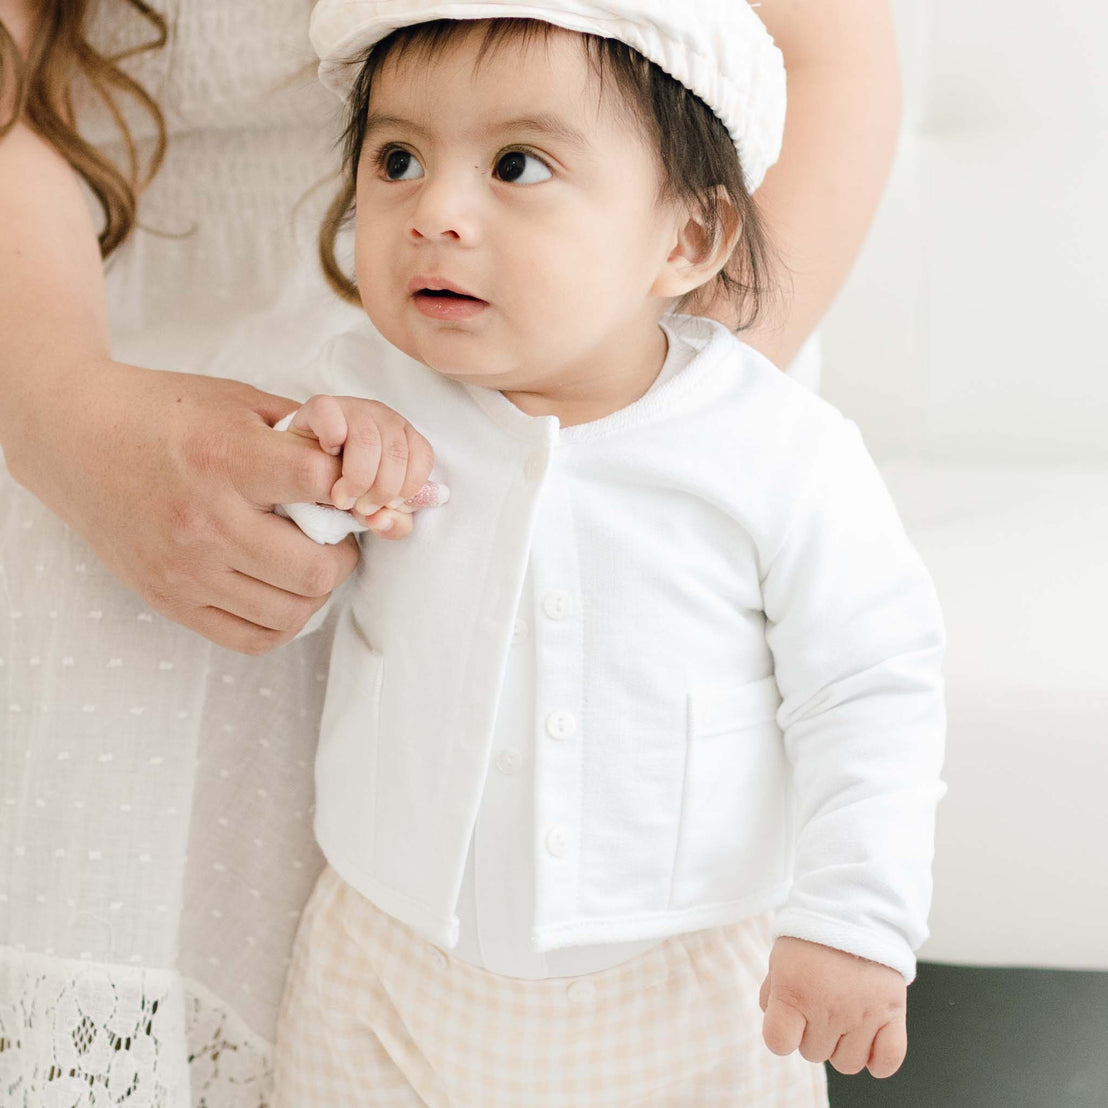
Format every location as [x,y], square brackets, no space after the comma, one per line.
[475,367]
[450,365]
[462,357]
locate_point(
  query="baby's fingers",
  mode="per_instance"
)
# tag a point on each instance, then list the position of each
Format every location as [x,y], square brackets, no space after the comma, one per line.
[387,523]
[361,463]
[853,1050]
[890,1045]
[819,1041]
[322,418]
[783,1026]
[421,460]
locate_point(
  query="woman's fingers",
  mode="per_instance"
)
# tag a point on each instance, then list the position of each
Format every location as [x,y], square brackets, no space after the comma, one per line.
[262,605]
[237,634]
[268,468]
[233,633]
[277,553]
[234,574]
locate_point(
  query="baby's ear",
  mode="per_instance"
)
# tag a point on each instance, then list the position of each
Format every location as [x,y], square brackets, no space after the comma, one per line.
[697,255]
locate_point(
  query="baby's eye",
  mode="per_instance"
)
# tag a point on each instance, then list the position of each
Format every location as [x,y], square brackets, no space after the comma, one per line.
[512,167]
[398,163]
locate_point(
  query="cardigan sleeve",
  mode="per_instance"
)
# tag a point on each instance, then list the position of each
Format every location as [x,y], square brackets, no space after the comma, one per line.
[857,636]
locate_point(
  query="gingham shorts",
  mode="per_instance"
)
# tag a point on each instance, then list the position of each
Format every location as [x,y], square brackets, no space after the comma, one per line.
[374,1015]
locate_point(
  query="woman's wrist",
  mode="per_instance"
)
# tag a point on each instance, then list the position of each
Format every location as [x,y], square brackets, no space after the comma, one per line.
[44,402]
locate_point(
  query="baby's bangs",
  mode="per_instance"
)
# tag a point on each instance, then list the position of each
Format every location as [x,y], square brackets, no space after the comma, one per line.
[630,70]
[422,41]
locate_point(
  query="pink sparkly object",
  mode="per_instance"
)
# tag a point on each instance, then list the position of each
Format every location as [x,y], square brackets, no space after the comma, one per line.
[432,495]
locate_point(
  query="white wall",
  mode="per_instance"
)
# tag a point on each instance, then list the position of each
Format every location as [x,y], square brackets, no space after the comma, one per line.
[970,330]
[968,345]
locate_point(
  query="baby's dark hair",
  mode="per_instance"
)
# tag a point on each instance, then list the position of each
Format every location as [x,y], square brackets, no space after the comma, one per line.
[697,154]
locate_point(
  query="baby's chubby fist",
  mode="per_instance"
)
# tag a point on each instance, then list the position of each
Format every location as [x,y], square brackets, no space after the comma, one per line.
[835,1007]
[385,460]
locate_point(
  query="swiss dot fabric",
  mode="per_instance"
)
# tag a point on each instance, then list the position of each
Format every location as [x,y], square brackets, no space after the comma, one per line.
[375,1015]
[155,790]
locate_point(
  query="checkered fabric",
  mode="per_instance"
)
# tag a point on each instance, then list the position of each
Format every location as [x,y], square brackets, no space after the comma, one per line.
[374,1016]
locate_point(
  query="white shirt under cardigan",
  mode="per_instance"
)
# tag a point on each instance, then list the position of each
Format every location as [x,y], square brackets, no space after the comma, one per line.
[738,707]
[497,898]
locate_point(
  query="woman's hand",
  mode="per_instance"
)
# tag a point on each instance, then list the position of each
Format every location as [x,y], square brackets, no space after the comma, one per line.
[171,479]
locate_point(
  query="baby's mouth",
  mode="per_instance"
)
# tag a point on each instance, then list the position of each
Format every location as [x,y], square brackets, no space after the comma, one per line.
[447,294]
[448,305]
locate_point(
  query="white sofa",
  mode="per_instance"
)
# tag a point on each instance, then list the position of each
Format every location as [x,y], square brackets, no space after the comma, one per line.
[967,346]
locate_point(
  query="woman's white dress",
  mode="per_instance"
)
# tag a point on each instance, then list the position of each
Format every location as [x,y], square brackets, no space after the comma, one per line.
[156,790]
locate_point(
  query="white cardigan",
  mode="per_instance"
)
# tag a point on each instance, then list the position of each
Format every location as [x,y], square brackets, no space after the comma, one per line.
[738,696]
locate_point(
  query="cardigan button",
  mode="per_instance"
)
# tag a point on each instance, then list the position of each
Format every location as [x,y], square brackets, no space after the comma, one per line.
[557,604]
[509,760]
[519,632]
[561,725]
[439,958]
[559,839]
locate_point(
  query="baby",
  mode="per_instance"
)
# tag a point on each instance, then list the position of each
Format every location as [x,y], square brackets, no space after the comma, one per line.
[640,732]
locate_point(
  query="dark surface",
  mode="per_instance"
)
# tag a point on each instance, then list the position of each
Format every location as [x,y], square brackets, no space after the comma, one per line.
[995,1038]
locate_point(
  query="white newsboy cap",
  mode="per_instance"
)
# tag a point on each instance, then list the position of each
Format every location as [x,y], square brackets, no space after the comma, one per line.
[719,49]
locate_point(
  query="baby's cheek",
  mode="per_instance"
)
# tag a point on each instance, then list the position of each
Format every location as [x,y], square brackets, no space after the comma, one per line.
[387,315]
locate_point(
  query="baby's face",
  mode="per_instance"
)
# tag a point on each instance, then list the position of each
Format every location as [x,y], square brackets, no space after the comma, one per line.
[520,186]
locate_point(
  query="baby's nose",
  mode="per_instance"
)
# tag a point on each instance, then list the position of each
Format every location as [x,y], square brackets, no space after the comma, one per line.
[444,210]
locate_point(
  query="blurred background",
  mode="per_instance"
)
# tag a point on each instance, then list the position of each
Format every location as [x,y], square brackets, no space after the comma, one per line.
[968,347]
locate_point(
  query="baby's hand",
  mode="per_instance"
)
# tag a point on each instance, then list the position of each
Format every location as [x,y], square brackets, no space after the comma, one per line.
[385,460]
[834,1006]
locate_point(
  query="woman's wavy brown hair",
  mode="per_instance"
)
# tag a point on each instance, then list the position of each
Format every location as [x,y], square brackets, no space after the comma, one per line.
[40,87]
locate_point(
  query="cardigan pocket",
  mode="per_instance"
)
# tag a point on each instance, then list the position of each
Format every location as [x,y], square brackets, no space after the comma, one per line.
[734,827]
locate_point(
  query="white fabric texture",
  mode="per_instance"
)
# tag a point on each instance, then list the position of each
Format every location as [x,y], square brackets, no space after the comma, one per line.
[496,902]
[719,49]
[733,527]
[155,790]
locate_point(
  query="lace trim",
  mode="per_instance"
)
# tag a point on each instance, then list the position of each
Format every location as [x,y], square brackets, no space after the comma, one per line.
[229,1065]
[77,1034]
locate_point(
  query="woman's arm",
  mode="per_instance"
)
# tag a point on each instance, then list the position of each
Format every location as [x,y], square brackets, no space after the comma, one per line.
[840,135]
[167,476]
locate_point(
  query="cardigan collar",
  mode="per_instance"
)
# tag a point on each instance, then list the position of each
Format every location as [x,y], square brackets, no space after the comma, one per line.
[694,359]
